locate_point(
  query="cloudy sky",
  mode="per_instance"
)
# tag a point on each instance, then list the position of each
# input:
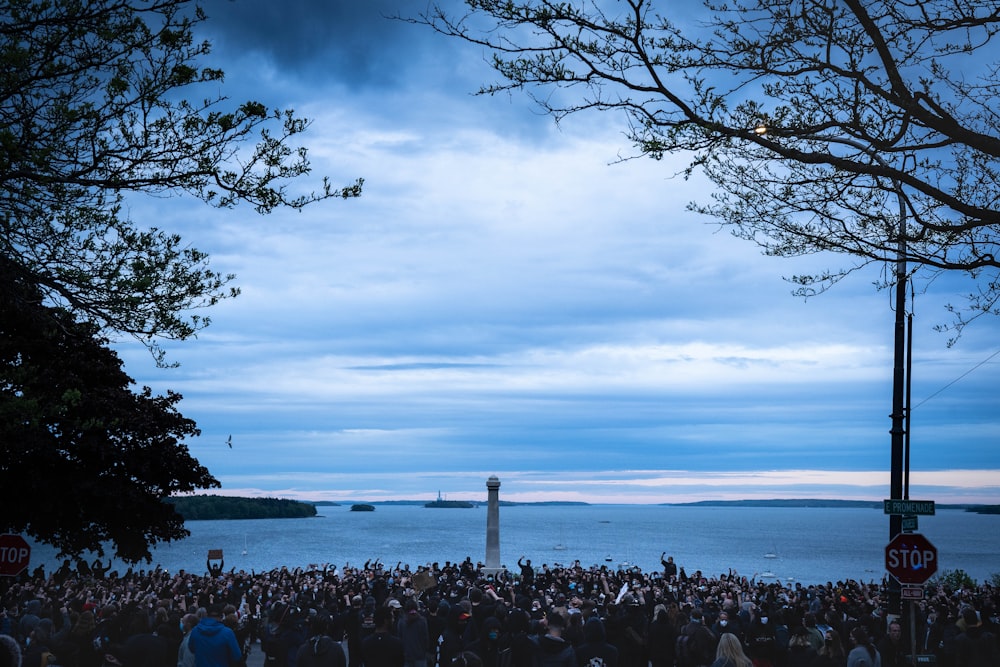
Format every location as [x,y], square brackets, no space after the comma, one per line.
[509,298]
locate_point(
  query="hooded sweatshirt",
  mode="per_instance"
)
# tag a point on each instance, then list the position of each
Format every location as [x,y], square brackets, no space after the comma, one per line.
[555,652]
[321,651]
[596,649]
[213,644]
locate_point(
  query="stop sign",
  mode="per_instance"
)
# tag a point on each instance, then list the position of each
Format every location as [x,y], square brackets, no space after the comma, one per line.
[911,558]
[14,555]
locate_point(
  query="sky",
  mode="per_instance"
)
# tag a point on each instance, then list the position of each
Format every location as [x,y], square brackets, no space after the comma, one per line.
[510,298]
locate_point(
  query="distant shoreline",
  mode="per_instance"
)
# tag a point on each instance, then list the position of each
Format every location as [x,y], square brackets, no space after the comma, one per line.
[806,503]
[198,507]
[775,502]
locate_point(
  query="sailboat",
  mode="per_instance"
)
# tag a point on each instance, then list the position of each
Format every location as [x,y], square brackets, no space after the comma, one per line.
[561,544]
[772,554]
[244,545]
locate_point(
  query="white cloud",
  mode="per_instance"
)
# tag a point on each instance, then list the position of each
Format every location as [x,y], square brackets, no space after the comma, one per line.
[503,293]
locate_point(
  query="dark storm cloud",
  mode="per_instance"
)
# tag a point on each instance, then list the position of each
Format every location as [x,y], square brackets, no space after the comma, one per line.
[357,44]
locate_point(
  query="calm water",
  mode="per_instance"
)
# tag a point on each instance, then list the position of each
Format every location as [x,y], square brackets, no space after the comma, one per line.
[810,545]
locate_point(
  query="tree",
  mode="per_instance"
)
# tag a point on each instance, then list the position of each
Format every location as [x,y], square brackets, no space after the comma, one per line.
[100,100]
[810,116]
[93,106]
[83,458]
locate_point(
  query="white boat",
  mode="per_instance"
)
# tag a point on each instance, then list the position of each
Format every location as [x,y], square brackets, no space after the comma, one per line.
[244,545]
[559,547]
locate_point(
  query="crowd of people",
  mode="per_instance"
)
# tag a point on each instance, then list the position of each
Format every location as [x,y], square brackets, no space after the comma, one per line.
[461,614]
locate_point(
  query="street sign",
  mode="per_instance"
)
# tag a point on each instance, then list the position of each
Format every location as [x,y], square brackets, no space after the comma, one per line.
[908,592]
[14,555]
[909,524]
[893,506]
[911,558]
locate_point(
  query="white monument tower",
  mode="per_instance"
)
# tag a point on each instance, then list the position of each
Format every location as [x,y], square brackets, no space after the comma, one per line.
[493,525]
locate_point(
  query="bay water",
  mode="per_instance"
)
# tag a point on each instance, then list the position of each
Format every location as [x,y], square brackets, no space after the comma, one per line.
[805,545]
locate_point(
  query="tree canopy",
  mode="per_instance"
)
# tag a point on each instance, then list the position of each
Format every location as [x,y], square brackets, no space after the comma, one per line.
[826,125]
[97,100]
[195,508]
[100,100]
[84,460]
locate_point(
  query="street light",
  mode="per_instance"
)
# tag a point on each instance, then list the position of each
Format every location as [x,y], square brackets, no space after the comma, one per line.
[898,440]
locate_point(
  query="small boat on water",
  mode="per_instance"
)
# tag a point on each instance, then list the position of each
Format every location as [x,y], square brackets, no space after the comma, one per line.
[559,547]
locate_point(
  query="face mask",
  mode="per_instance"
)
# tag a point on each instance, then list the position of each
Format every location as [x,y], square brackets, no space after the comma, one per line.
[723,623]
[493,635]
[763,620]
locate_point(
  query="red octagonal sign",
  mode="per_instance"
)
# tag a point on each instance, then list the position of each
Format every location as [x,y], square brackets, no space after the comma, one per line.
[911,558]
[14,555]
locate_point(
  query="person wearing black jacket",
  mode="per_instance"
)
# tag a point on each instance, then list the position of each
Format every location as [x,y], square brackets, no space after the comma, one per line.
[320,649]
[696,644]
[382,648]
[553,650]
[595,650]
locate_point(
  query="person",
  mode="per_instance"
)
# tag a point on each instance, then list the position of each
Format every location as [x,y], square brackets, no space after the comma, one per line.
[527,573]
[729,653]
[452,642]
[595,650]
[864,653]
[412,630]
[832,654]
[382,648]
[99,569]
[669,567]
[522,643]
[632,628]
[185,658]
[437,625]
[489,644]
[813,632]
[553,650]
[10,652]
[215,569]
[762,639]
[320,649]
[282,635]
[39,650]
[146,649]
[696,645]
[800,649]
[976,646]
[213,644]
[725,625]
[891,648]
[352,622]
[661,637]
